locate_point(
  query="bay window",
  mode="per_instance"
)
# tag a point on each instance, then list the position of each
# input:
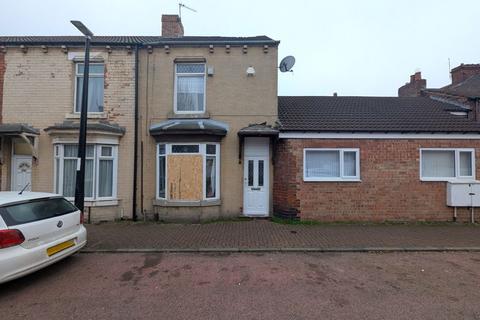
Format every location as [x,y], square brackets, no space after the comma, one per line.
[189,88]
[100,171]
[441,164]
[188,171]
[331,164]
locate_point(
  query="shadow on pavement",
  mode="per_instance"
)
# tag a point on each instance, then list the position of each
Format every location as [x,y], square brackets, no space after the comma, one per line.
[43,275]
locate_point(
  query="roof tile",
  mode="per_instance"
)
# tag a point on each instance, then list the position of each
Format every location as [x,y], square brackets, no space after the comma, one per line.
[371,114]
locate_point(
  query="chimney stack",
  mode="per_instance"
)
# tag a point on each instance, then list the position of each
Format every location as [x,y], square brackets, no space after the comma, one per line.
[464,71]
[172,26]
[414,87]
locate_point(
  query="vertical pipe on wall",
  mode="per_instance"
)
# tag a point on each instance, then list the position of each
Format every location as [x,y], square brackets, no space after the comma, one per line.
[135,152]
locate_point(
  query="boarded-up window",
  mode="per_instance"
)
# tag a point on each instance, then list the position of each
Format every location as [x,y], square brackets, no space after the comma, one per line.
[185,177]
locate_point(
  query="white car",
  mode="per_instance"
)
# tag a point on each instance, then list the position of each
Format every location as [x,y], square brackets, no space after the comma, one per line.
[36,230]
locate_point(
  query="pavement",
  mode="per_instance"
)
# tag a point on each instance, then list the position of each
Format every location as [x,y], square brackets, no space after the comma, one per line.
[267,236]
[280,286]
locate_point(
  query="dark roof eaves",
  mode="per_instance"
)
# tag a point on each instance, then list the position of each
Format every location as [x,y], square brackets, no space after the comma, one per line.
[133,42]
[206,43]
[376,131]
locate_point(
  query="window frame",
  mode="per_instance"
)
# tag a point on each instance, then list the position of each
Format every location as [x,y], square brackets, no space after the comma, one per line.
[456,164]
[342,177]
[203,153]
[175,109]
[90,75]
[157,171]
[58,179]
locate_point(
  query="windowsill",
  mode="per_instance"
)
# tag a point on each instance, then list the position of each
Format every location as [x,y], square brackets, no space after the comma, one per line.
[90,115]
[187,115]
[332,180]
[98,203]
[463,179]
[201,203]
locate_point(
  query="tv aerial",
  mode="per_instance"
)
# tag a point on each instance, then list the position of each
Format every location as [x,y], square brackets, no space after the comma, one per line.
[180,6]
[286,64]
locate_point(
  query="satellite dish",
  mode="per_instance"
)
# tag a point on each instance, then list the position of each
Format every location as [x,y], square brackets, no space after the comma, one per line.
[287,63]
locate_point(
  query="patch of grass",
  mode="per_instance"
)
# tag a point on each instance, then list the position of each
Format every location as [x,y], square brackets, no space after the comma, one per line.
[222,220]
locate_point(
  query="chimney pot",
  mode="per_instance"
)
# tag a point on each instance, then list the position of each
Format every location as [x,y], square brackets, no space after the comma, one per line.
[172,26]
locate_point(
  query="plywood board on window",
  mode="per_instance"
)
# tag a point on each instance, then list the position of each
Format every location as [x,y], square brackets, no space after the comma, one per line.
[185,177]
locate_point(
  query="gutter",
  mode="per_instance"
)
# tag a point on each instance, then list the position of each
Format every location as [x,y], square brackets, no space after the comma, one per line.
[166,42]
[135,144]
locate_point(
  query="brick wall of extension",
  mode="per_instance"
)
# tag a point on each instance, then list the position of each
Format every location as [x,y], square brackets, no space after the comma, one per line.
[390,188]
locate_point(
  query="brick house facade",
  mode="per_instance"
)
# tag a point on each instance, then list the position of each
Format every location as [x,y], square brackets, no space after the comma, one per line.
[360,158]
[177,106]
[200,118]
[390,188]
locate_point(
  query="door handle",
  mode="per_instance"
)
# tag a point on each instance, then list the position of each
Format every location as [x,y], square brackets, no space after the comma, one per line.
[255,189]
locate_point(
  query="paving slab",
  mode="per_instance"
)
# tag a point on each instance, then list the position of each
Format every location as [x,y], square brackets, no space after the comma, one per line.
[265,236]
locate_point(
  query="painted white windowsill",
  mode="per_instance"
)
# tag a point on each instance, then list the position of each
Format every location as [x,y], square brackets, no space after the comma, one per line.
[331,180]
[451,179]
[202,203]
[90,115]
[98,203]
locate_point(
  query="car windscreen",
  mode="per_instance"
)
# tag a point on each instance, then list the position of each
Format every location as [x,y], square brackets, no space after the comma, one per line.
[35,210]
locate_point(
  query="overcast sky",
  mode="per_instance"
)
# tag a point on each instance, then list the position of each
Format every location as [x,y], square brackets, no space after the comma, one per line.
[350,47]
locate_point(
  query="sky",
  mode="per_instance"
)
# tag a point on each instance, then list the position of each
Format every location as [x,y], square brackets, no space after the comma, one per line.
[366,48]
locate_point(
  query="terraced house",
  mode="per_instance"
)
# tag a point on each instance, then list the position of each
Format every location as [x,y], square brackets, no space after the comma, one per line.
[180,107]
[191,128]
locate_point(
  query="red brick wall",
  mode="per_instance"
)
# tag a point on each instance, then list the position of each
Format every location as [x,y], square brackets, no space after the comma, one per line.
[414,87]
[172,26]
[390,187]
[464,71]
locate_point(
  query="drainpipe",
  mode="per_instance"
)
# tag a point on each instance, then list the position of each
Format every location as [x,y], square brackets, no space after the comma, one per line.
[135,144]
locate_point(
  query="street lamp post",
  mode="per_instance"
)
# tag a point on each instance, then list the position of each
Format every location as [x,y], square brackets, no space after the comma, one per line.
[82,139]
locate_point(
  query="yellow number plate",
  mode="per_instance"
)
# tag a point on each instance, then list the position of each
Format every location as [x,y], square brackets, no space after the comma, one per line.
[60,247]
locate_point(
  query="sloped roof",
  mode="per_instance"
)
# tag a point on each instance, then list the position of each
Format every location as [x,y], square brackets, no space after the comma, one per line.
[469,88]
[95,126]
[189,126]
[132,40]
[17,128]
[258,130]
[371,114]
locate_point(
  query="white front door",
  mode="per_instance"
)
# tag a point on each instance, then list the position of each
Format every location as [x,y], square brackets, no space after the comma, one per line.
[21,173]
[256,189]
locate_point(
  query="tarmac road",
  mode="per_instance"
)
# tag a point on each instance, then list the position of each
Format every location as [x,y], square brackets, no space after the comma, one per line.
[250,286]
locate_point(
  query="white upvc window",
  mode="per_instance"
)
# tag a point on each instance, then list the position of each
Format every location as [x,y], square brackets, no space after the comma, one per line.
[189,95]
[100,171]
[446,164]
[321,164]
[211,166]
[95,87]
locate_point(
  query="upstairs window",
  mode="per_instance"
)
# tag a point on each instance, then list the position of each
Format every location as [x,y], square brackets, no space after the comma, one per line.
[447,164]
[189,88]
[95,87]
